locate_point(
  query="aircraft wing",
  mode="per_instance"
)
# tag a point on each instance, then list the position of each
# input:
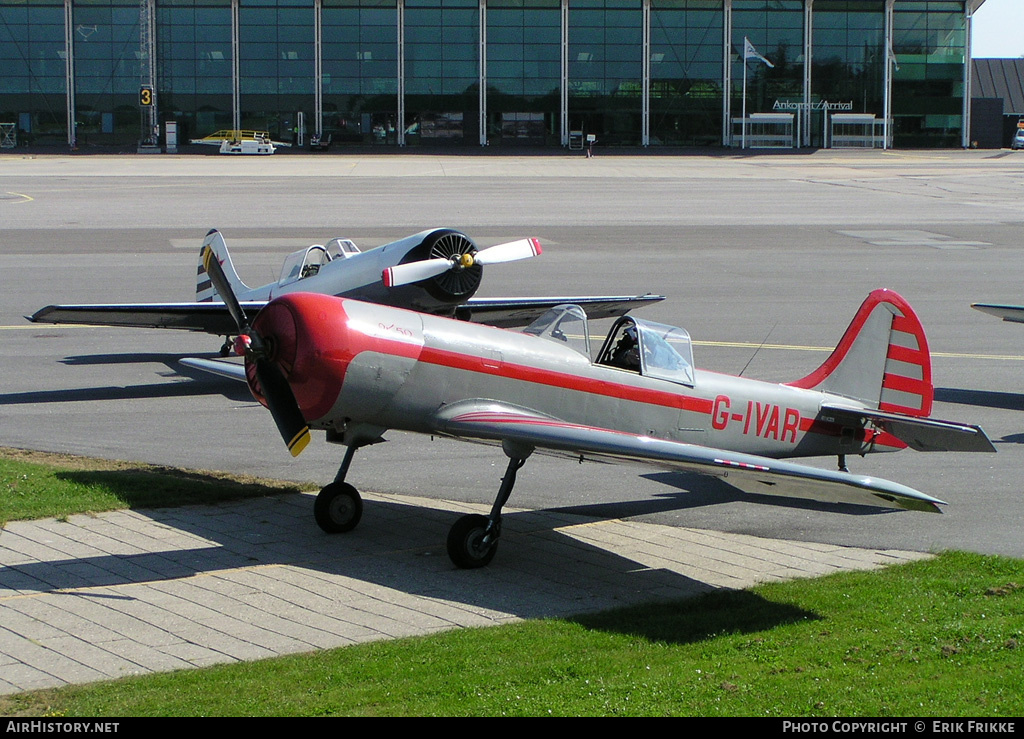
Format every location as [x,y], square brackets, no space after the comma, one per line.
[921,434]
[213,318]
[1012,313]
[517,312]
[526,429]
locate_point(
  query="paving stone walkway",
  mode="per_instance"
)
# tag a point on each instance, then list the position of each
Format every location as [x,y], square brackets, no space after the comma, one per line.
[130,592]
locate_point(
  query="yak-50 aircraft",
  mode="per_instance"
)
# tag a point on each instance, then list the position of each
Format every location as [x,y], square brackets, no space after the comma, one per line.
[355,369]
[435,271]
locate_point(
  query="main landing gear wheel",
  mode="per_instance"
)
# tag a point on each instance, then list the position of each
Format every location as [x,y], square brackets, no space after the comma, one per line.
[466,546]
[338,508]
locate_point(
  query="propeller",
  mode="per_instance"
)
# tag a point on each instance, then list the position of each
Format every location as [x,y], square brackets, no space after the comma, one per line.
[404,274]
[273,384]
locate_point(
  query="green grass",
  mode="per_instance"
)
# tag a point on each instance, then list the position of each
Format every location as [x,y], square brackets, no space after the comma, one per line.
[38,485]
[940,637]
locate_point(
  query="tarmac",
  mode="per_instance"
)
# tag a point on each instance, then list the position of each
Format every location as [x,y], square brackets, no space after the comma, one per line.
[103,596]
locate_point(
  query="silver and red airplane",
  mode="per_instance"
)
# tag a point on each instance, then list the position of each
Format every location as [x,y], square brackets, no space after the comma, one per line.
[436,271]
[355,369]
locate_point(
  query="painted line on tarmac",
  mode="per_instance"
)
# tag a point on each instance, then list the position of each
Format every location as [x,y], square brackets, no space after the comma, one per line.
[801,348]
[719,344]
[56,326]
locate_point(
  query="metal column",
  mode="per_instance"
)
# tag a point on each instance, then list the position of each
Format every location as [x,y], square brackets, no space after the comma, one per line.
[482,108]
[805,109]
[69,73]
[645,104]
[563,87]
[890,62]
[965,137]
[236,95]
[318,68]
[147,72]
[401,73]
[727,73]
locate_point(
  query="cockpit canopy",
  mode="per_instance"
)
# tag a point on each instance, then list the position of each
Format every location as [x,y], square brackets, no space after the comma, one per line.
[563,324]
[649,348]
[307,262]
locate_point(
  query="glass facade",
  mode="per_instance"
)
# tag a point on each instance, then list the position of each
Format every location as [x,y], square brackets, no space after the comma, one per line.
[605,69]
[928,86]
[442,71]
[276,66]
[32,69]
[471,72]
[194,65]
[105,41]
[848,67]
[686,72]
[360,71]
[776,29]
[524,71]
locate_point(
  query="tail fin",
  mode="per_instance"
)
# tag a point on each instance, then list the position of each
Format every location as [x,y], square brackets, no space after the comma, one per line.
[205,291]
[882,359]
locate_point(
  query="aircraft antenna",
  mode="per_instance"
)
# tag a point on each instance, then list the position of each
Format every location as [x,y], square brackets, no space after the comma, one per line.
[759,347]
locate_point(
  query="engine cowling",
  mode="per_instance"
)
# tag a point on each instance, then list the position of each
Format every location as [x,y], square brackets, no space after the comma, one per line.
[454,285]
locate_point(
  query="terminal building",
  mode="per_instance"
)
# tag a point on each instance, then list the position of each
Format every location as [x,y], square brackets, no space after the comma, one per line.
[496,73]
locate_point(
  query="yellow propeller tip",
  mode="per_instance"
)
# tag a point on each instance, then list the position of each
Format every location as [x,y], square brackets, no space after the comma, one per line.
[299,442]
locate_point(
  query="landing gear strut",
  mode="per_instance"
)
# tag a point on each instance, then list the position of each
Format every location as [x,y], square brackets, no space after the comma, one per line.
[338,507]
[473,540]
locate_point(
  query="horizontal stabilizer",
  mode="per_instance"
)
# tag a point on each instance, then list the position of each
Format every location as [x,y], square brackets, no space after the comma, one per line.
[1012,313]
[921,434]
[526,429]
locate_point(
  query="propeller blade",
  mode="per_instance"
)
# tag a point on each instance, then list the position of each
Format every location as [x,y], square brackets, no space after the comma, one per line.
[283,406]
[220,283]
[510,252]
[403,274]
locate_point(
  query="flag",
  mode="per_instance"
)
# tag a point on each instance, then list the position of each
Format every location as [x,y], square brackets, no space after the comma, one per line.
[749,52]
[892,58]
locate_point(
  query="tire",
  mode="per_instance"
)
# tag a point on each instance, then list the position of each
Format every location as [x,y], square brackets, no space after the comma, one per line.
[464,543]
[338,508]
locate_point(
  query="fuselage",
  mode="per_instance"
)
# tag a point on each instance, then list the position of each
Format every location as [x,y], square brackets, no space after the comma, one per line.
[356,363]
[358,276]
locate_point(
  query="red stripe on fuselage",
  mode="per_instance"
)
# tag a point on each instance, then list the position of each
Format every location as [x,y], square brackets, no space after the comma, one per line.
[551,378]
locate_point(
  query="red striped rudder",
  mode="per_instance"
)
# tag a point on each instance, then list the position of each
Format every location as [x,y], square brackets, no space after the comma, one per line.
[882,359]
